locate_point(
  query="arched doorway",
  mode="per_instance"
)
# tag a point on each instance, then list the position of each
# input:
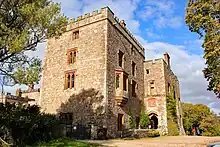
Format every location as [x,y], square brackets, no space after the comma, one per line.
[153,121]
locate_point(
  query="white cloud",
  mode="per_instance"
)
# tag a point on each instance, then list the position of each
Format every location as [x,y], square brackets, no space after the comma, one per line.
[188,68]
[161,12]
[153,35]
[185,64]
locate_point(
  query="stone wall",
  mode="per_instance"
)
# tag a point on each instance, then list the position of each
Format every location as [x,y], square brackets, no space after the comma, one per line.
[90,64]
[165,83]
[101,36]
[155,100]
[33,95]
[172,80]
[118,41]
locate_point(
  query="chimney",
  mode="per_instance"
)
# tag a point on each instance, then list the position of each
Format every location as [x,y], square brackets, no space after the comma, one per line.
[30,87]
[167,59]
[18,92]
[122,23]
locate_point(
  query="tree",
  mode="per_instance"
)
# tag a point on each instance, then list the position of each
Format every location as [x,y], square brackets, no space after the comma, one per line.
[203,17]
[144,118]
[24,125]
[200,115]
[132,122]
[24,24]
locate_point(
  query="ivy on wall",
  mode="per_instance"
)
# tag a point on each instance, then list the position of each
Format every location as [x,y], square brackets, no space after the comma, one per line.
[172,116]
[131,120]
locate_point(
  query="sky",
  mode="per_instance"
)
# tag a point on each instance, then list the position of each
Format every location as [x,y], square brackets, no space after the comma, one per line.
[159,26]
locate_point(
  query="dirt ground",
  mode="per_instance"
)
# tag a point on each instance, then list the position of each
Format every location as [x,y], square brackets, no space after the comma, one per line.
[166,141]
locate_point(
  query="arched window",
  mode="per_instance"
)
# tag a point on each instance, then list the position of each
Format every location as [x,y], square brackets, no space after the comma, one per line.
[69,80]
[71,55]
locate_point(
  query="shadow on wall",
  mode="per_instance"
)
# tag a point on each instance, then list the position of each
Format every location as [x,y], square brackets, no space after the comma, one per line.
[87,108]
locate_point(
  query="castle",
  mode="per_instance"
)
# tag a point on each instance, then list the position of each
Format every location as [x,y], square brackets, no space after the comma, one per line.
[98,51]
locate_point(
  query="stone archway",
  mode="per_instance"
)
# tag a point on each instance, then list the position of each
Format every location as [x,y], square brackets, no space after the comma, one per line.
[153,121]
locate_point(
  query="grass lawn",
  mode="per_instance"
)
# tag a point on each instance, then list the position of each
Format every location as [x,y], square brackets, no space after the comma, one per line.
[65,142]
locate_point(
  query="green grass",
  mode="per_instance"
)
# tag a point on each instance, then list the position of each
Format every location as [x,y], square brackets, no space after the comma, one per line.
[65,142]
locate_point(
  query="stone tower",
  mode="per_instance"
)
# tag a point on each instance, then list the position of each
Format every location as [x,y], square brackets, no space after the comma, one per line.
[160,82]
[97,51]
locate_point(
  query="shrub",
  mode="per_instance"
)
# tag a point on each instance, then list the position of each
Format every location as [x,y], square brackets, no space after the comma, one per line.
[153,133]
[26,124]
[172,128]
[132,122]
[144,120]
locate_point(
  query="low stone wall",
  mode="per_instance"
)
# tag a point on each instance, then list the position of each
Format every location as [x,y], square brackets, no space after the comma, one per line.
[143,133]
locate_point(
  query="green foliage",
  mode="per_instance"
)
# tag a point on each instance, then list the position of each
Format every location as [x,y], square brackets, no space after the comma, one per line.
[172,116]
[171,108]
[132,122]
[28,75]
[22,125]
[64,142]
[144,120]
[201,116]
[24,24]
[202,17]
[172,128]
[153,133]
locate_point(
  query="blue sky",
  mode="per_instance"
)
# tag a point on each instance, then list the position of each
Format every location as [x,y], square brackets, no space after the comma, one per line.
[159,26]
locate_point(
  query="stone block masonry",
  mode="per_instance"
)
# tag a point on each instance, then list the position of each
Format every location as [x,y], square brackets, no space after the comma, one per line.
[98,51]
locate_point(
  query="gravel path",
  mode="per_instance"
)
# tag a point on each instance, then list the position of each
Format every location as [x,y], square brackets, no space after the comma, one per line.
[169,141]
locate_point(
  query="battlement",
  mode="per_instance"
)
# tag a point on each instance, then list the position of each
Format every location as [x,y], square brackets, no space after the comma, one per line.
[89,15]
[98,15]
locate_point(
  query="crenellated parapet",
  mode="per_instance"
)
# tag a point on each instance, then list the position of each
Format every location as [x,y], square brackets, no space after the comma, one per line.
[102,14]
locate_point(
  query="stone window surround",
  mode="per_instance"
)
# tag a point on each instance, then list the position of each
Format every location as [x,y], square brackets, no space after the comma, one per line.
[151,86]
[75,34]
[133,68]
[134,87]
[121,78]
[121,121]
[71,55]
[66,118]
[72,74]
[147,71]
[121,59]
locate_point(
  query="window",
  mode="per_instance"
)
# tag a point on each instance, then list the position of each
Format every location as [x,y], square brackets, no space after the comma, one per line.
[117,82]
[125,78]
[147,71]
[71,56]
[133,88]
[169,88]
[121,59]
[120,122]
[75,35]
[66,118]
[133,68]
[69,80]
[174,94]
[132,50]
[152,90]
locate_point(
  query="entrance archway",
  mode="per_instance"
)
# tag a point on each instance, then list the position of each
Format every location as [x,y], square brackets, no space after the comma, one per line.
[153,121]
